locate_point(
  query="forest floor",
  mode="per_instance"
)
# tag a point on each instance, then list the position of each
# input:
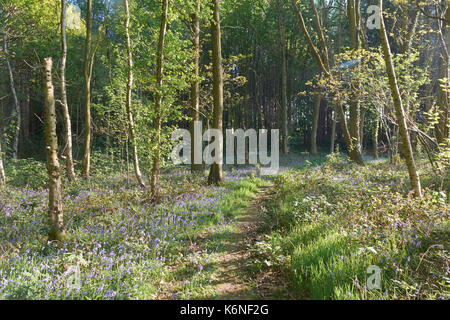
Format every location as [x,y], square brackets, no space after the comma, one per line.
[310,232]
[233,272]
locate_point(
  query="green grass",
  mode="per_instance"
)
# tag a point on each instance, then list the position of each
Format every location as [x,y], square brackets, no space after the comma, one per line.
[334,221]
[183,277]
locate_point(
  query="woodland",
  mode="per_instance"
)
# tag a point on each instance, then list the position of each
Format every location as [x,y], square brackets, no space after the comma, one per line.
[92,205]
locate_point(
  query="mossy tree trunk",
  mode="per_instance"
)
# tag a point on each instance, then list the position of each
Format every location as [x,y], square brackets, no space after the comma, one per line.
[86,164]
[353,15]
[399,110]
[55,210]
[215,174]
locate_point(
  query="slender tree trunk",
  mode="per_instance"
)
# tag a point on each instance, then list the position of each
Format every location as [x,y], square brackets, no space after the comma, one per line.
[215,174]
[195,84]
[2,168]
[333,131]
[361,128]
[353,16]
[55,209]
[315,122]
[376,128]
[442,132]
[131,130]
[399,111]
[158,102]
[344,128]
[86,164]
[284,106]
[65,107]
[15,99]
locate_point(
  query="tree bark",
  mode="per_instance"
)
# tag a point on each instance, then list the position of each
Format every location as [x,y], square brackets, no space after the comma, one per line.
[86,164]
[131,129]
[333,131]
[15,100]
[399,111]
[158,102]
[315,122]
[195,84]
[353,15]
[55,210]
[2,168]
[215,174]
[376,128]
[442,128]
[65,107]
[284,105]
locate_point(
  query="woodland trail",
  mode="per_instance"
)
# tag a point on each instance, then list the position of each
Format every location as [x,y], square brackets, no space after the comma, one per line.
[235,279]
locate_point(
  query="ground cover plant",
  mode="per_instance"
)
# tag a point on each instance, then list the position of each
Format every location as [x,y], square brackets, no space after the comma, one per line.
[332,222]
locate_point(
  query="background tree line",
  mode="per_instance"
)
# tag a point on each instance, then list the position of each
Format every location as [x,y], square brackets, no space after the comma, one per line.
[126,73]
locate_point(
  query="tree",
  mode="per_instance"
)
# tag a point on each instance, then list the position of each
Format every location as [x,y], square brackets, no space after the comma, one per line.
[15,99]
[215,174]
[87,72]
[2,169]
[131,129]
[65,106]
[284,103]
[158,101]
[399,111]
[322,60]
[354,19]
[195,83]
[55,209]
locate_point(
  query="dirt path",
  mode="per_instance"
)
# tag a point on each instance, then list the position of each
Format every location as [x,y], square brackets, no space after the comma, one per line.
[235,278]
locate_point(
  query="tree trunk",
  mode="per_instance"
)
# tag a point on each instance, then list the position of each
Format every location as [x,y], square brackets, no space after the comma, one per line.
[399,111]
[55,210]
[86,164]
[284,106]
[215,174]
[131,130]
[376,128]
[333,131]
[442,132]
[158,102]
[315,122]
[195,84]
[353,7]
[65,107]
[15,99]
[361,128]
[2,168]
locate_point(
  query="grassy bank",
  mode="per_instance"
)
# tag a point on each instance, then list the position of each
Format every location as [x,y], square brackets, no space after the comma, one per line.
[331,223]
